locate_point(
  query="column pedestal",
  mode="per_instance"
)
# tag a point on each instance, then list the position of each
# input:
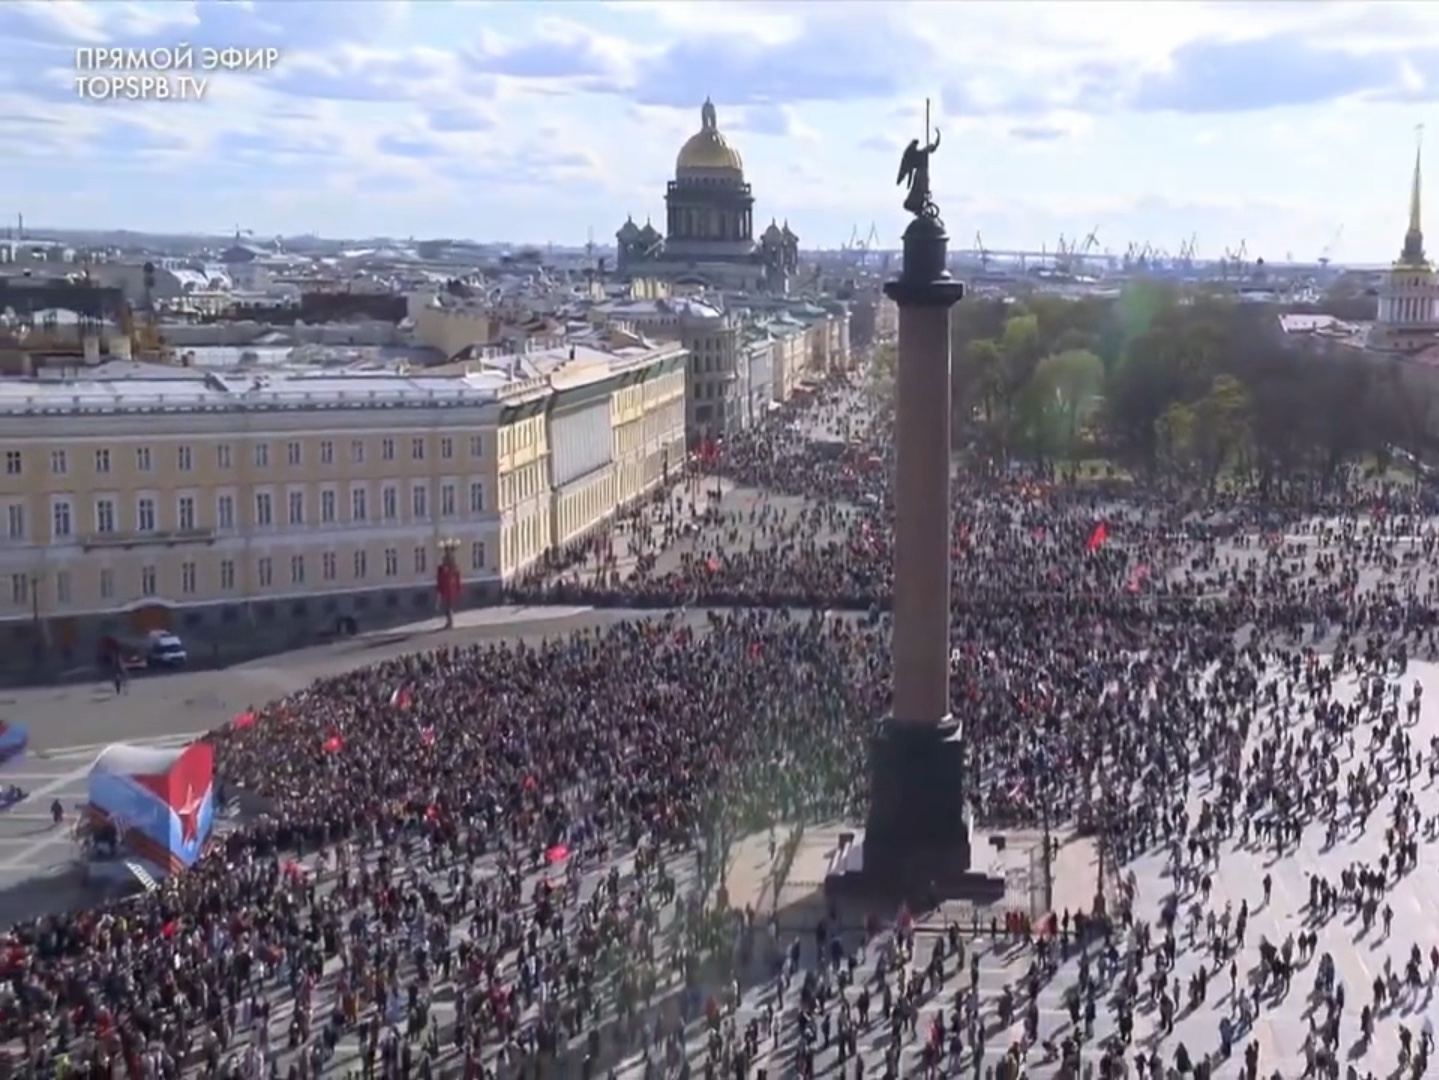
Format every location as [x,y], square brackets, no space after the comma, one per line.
[917,796]
[916,847]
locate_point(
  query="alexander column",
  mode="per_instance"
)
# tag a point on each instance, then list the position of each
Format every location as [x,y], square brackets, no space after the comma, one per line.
[916,838]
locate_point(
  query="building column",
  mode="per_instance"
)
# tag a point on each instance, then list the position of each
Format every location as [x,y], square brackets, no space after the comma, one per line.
[916,838]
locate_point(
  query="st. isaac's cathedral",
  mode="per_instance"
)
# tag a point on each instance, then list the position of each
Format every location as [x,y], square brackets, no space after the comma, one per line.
[709,224]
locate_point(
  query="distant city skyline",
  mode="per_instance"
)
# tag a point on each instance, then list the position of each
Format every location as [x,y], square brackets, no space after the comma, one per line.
[1287,126]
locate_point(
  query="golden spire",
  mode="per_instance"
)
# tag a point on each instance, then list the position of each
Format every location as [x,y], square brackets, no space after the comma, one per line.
[1413,253]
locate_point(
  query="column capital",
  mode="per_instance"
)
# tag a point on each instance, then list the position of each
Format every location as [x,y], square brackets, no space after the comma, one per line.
[924,279]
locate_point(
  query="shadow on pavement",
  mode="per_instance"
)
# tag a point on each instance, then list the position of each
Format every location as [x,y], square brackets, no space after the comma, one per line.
[52,894]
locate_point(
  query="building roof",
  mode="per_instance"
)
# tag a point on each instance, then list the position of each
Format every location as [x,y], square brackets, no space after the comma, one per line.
[565,366]
[126,390]
[707,150]
[673,306]
[191,280]
[1305,324]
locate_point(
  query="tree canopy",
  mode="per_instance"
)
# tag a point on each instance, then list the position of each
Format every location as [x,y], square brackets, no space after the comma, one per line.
[1180,386]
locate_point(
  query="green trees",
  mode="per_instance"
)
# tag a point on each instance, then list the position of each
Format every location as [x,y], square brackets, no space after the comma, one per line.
[1185,385]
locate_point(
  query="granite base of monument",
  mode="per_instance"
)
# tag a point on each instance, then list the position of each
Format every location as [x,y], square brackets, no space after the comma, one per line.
[916,844]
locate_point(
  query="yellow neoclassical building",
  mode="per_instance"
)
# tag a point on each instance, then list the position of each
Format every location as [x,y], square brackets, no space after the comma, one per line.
[279,504]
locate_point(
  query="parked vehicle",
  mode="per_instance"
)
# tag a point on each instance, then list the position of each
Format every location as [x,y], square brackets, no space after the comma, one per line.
[159,649]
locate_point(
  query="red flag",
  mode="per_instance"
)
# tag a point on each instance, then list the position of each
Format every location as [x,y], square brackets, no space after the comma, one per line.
[557,854]
[1097,537]
[530,783]
[168,930]
[400,698]
[333,744]
[1136,579]
[244,720]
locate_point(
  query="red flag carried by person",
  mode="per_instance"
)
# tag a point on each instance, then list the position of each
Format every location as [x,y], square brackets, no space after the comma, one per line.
[400,698]
[1136,579]
[333,744]
[244,720]
[1097,537]
[557,854]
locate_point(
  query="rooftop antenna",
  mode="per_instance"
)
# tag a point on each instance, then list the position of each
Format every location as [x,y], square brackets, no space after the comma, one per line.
[926,121]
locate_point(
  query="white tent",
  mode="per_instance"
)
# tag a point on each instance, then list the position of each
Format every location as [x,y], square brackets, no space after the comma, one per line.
[123,759]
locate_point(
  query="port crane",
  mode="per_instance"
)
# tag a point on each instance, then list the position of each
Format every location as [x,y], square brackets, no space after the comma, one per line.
[861,248]
[982,251]
[1188,251]
[1236,261]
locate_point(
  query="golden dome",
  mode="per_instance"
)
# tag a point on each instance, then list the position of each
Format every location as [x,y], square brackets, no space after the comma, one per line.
[707,149]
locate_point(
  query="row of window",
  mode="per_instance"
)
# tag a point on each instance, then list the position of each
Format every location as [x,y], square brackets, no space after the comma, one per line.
[25,588]
[104,457]
[296,510]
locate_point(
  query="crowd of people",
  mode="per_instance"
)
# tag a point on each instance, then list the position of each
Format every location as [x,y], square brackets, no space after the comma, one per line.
[485,860]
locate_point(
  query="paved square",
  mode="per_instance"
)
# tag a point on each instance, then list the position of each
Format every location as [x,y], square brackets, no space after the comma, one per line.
[38,869]
[1281,1024]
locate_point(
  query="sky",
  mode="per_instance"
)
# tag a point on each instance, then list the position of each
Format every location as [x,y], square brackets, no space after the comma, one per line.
[1288,126]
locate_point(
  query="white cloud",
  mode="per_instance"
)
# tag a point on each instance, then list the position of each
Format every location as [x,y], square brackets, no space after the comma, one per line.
[1268,122]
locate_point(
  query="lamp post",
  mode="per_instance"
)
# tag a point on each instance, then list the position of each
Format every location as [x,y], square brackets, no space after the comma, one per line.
[38,625]
[447,580]
[1041,779]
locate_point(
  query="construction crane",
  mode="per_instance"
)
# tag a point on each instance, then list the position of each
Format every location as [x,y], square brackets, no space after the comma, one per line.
[1328,252]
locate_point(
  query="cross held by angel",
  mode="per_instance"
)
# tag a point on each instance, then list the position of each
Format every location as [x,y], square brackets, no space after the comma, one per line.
[914,171]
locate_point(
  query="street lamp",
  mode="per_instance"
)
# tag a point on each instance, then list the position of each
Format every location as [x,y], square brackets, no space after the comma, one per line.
[447,580]
[38,645]
[1041,779]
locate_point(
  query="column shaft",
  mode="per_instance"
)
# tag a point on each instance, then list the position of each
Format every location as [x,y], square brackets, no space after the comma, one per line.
[922,520]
